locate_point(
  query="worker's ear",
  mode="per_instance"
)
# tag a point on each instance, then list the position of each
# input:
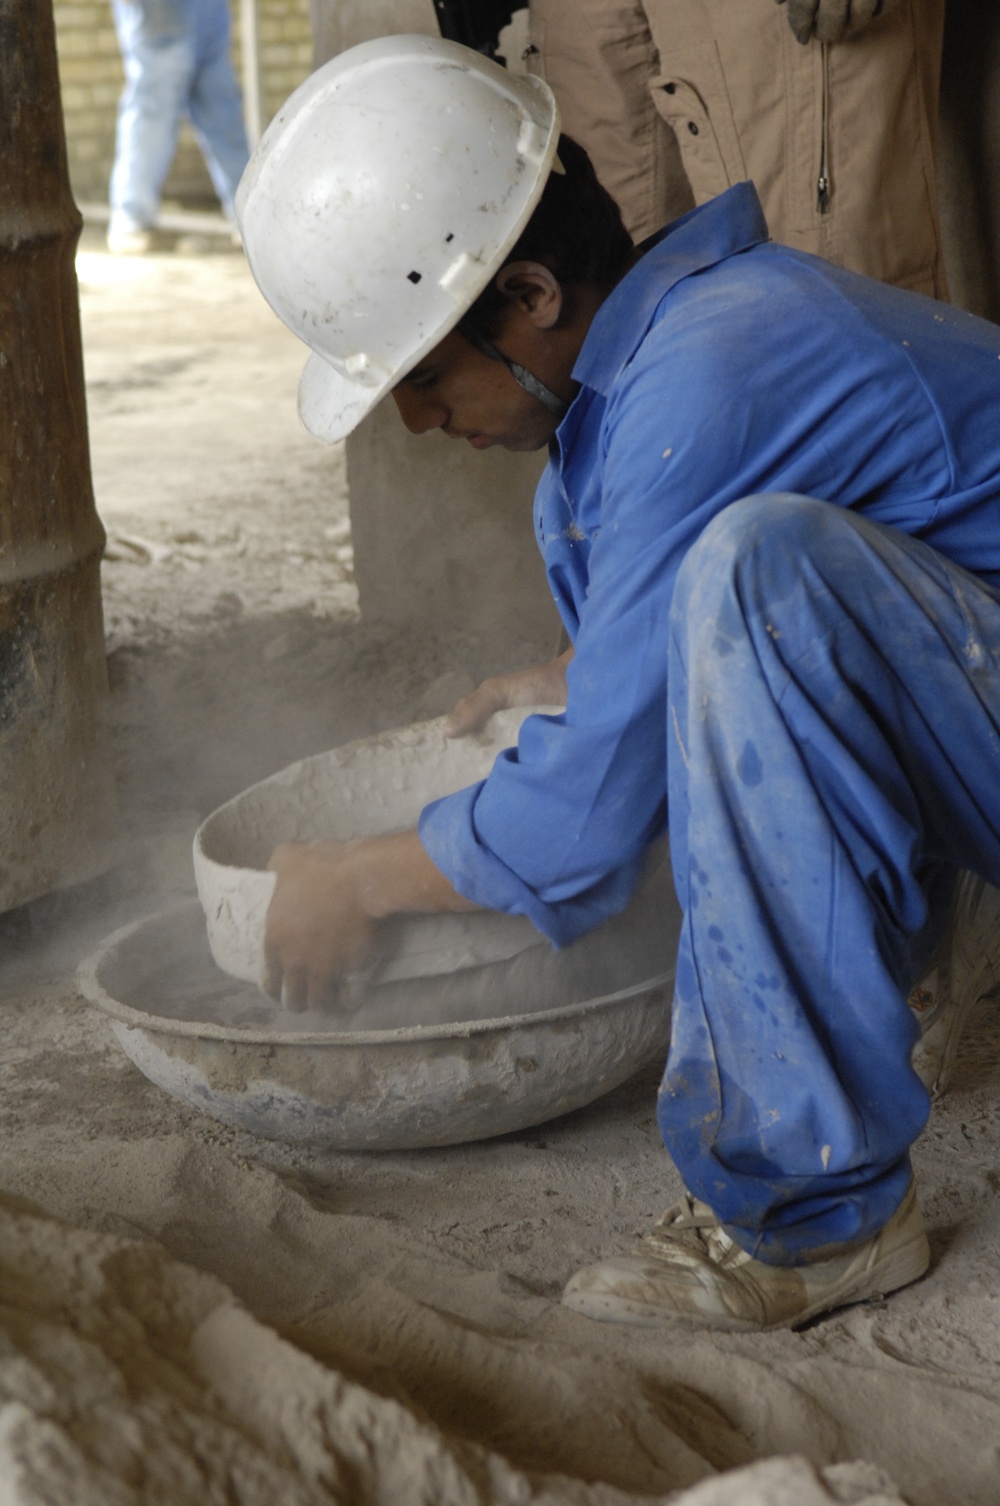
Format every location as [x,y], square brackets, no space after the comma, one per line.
[534,290]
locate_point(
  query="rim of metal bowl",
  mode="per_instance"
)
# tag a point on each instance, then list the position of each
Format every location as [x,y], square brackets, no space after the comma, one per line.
[93,990]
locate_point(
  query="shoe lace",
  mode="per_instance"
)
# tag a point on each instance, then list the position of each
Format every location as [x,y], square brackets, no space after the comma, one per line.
[692,1223]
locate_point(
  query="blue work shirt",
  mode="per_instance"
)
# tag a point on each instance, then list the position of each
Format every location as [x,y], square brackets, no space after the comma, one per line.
[720,367]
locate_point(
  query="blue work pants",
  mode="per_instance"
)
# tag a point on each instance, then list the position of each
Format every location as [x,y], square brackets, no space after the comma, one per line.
[177,64]
[834,758]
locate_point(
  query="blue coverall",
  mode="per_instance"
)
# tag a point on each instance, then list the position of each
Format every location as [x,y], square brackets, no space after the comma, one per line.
[814,684]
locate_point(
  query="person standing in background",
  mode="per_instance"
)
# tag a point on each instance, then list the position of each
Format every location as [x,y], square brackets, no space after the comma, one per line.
[830,107]
[177,65]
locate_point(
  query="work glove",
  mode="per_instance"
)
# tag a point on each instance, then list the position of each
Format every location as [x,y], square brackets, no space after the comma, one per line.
[830,20]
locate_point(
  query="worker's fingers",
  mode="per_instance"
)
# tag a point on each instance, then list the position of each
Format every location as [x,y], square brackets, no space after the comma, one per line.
[273,972]
[802,18]
[316,932]
[324,994]
[473,711]
[540,685]
[301,988]
[833,20]
[295,985]
[289,855]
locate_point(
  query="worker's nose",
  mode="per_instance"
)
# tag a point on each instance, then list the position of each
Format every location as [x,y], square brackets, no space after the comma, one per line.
[419,411]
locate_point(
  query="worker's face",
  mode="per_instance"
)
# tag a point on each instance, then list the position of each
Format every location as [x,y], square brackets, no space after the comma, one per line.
[457,389]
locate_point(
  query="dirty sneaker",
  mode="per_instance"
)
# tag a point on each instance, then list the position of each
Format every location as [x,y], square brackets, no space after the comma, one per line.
[688,1272]
[966,969]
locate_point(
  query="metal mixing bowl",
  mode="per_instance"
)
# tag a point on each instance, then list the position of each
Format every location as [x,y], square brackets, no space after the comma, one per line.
[219,1046]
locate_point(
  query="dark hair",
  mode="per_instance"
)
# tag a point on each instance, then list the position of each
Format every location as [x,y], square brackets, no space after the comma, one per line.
[576,231]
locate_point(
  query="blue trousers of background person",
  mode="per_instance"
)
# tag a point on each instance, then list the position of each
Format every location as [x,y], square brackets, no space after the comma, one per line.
[177,64]
[834,759]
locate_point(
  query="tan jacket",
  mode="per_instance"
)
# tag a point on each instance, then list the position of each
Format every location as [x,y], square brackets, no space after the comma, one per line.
[677,99]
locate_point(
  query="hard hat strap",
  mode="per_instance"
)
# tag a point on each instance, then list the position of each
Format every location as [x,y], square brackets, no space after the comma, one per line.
[521,374]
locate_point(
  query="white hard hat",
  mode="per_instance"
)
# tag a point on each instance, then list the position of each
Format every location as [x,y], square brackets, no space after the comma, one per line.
[381,200]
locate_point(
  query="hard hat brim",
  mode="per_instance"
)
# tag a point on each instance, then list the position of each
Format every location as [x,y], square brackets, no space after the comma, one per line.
[330,404]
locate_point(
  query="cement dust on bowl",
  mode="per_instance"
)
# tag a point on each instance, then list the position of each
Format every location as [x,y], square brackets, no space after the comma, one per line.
[469,1026]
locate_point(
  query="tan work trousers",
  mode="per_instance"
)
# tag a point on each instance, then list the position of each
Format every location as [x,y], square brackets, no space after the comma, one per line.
[677,99]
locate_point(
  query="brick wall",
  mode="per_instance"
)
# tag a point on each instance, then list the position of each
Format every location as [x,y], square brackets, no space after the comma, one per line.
[91,75]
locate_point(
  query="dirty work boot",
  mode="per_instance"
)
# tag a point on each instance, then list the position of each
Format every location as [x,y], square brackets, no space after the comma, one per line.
[966,968]
[688,1272]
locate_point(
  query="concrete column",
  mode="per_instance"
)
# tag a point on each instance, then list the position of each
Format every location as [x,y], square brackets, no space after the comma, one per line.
[443,536]
[339,24]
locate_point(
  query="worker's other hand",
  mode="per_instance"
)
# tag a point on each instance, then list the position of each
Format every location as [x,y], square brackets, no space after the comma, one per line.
[541,685]
[831,20]
[317,932]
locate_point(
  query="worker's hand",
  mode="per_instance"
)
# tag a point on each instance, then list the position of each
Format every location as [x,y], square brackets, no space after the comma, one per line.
[831,20]
[541,685]
[317,931]
[322,924]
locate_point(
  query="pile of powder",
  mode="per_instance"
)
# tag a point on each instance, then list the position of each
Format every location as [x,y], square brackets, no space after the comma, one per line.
[130,1379]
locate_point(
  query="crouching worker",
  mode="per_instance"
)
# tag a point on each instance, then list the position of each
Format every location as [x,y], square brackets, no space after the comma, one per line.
[771,522]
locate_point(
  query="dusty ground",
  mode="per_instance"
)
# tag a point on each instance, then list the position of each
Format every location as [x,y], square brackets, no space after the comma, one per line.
[430,1279]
